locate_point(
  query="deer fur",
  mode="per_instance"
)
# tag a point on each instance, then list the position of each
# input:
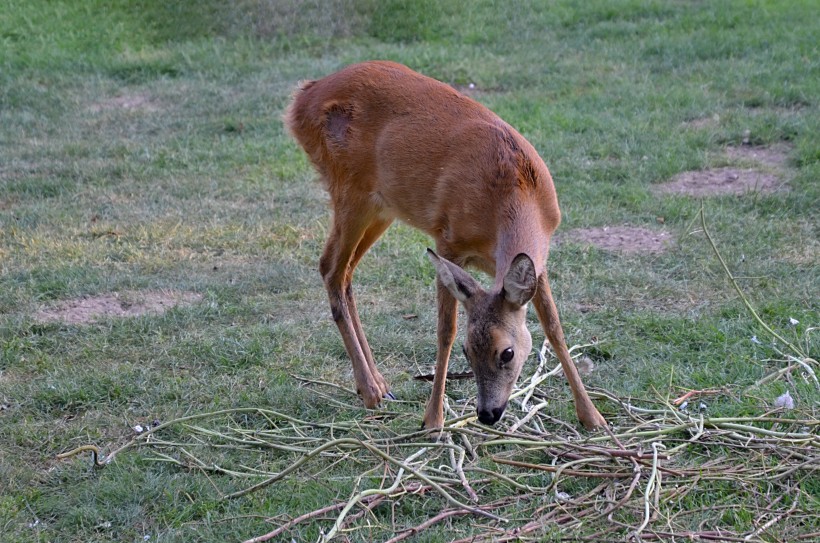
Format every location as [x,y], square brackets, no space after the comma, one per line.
[390,143]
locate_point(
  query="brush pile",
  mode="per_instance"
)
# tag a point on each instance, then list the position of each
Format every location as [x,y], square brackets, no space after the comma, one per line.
[662,471]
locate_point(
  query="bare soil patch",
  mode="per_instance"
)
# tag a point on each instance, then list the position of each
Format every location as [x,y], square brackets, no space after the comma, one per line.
[621,239]
[735,180]
[116,305]
[720,181]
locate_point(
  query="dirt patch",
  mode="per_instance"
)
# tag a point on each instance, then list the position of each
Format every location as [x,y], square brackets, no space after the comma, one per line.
[735,180]
[116,305]
[621,239]
[128,102]
[720,181]
[774,156]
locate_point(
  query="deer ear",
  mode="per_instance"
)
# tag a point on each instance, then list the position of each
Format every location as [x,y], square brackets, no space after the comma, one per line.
[460,283]
[521,281]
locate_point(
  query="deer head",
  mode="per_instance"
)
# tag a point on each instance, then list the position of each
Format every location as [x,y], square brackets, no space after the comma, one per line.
[498,341]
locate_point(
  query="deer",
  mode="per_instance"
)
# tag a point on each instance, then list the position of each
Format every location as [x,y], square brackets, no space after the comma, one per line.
[392,144]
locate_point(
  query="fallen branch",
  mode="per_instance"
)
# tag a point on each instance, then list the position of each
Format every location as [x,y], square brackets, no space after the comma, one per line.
[543,478]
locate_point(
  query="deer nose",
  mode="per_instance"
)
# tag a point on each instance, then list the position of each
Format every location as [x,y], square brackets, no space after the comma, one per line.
[490,417]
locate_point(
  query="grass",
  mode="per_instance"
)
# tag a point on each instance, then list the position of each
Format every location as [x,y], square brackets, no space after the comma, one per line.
[141,148]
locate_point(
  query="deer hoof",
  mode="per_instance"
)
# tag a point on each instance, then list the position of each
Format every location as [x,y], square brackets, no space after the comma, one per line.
[436,423]
[594,421]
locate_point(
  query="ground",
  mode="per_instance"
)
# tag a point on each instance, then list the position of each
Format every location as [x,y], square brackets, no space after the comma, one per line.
[148,189]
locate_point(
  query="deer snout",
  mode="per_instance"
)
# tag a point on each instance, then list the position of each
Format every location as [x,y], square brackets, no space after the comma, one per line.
[490,416]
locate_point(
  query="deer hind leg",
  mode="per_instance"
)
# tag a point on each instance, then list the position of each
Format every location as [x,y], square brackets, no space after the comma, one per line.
[351,226]
[588,415]
[373,232]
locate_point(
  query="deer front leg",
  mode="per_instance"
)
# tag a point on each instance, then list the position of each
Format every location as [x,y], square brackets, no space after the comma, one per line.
[587,413]
[446,333]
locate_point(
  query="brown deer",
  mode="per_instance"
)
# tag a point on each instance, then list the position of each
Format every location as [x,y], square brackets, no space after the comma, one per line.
[390,143]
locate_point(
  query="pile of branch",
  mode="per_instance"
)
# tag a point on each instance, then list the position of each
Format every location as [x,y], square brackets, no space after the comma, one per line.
[538,476]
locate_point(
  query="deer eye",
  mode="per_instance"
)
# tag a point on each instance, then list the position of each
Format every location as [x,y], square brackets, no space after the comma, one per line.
[507,355]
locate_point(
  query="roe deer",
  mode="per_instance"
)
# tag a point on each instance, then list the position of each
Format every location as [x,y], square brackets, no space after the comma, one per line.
[390,143]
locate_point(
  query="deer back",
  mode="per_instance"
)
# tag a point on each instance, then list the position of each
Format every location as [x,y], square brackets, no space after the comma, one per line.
[382,135]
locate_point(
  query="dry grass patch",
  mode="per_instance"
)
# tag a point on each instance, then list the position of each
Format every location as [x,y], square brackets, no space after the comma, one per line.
[804,255]
[775,156]
[721,181]
[126,102]
[116,305]
[620,239]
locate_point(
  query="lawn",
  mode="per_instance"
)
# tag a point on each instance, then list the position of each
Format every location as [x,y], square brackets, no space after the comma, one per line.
[160,299]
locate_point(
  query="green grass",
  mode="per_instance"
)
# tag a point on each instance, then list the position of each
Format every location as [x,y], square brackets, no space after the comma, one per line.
[141,147]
